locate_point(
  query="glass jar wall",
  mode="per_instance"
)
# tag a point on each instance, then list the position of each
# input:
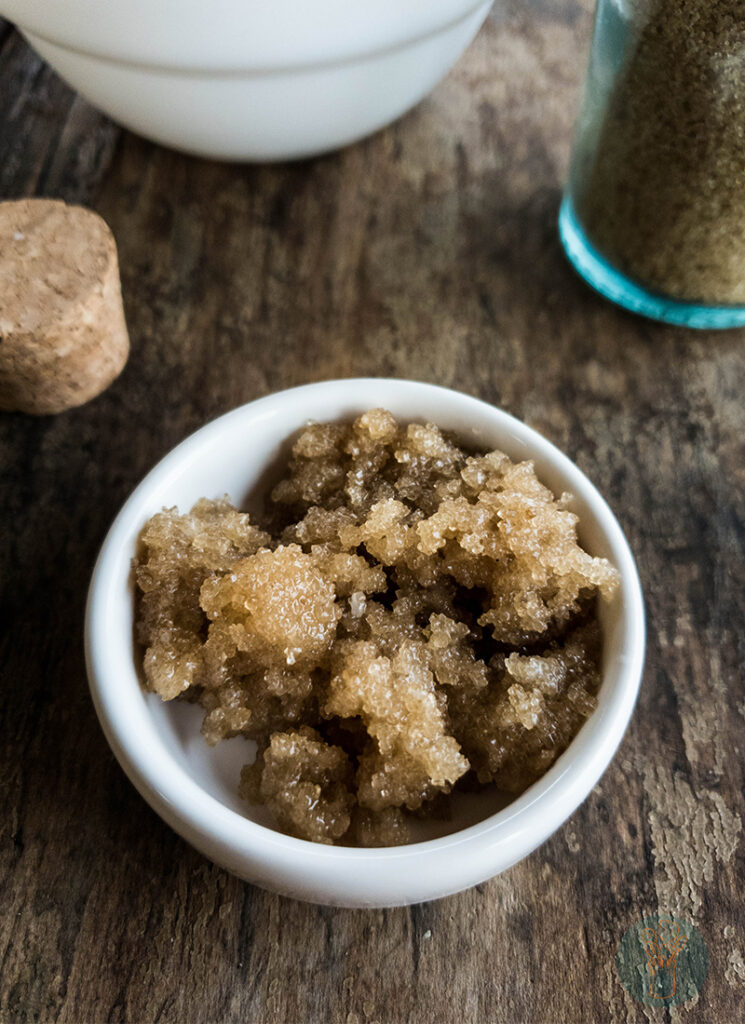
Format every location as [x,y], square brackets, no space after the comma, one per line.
[653,215]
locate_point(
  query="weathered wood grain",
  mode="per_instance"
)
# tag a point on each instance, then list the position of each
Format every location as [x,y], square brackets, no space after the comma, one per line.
[429,251]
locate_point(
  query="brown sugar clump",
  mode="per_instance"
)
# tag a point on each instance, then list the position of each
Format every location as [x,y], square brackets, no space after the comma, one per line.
[411,755]
[178,553]
[276,607]
[512,731]
[412,619]
[63,338]
[305,783]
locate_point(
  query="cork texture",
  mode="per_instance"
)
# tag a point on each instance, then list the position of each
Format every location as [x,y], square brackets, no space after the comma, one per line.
[63,337]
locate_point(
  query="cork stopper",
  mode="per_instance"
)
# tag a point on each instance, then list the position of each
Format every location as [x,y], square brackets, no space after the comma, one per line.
[63,338]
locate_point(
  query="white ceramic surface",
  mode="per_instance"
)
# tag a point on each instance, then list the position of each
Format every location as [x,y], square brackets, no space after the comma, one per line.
[193,787]
[250,79]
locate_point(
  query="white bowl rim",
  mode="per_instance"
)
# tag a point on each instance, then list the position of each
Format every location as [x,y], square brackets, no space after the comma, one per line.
[526,822]
[191,36]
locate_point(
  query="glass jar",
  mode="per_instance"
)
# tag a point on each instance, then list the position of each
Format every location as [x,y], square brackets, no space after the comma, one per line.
[653,215]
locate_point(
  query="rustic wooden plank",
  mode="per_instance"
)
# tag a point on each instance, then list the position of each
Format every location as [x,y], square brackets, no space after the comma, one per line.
[52,142]
[429,251]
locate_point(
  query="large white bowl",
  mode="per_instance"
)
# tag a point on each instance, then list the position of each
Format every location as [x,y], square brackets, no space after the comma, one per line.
[194,787]
[251,79]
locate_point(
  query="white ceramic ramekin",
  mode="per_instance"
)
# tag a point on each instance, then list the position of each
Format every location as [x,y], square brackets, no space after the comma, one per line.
[193,787]
[250,79]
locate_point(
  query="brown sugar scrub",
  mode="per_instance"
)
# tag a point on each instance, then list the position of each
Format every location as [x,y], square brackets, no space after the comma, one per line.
[408,619]
[658,177]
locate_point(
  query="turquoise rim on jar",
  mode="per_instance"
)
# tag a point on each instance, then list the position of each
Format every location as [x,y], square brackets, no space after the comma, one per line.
[612,284]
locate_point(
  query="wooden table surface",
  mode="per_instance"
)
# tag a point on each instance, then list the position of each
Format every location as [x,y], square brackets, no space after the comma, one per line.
[429,251]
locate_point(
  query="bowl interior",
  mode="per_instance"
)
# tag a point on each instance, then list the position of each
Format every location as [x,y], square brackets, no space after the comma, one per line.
[237,455]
